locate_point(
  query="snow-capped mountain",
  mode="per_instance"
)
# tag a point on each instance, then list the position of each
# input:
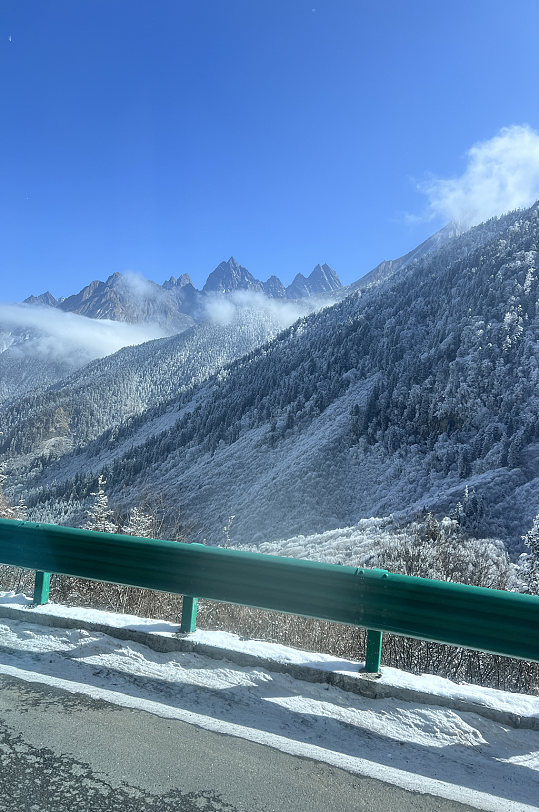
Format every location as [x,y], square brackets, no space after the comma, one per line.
[109,390]
[128,298]
[274,288]
[176,303]
[229,276]
[31,357]
[322,279]
[399,397]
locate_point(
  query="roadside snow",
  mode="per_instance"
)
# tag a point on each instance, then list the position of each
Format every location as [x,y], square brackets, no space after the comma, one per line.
[520,705]
[422,747]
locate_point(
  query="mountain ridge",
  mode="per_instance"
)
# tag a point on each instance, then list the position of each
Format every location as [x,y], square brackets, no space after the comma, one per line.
[130,298]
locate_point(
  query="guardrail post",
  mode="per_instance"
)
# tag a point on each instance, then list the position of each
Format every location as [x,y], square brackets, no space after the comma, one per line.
[41,587]
[189,614]
[373,653]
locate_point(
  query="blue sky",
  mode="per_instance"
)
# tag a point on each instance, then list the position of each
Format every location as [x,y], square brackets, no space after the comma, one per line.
[164,137]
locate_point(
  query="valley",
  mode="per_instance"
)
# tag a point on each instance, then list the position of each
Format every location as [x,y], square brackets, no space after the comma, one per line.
[415,387]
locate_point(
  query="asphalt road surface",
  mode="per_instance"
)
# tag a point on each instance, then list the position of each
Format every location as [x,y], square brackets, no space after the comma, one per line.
[62,752]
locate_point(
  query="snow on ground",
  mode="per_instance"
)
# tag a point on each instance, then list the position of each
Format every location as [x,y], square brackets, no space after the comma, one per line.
[422,747]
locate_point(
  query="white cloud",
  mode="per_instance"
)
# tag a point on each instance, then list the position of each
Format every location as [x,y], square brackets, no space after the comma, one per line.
[501,174]
[133,284]
[58,336]
[51,334]
[228,309]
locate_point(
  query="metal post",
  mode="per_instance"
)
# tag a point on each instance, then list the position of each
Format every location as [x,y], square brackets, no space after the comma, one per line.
[373,652]
[189,614]
[41,587]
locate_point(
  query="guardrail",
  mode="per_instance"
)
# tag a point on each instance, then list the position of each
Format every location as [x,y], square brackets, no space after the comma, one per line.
[489,620]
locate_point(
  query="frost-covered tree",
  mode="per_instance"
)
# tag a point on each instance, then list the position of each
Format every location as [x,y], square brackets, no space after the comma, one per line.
[438,549]
[8,511]
[139,524]
[20,510]
[100,516]
[530,561]
[469,512]
[11,577]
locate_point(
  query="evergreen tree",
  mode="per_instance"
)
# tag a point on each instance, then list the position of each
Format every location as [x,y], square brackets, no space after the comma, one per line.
[470,512]
[531,563]
[8,511]
[140,524]
[101,517]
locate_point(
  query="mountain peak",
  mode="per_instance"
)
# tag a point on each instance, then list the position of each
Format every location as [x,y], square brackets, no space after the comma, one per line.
[43,299]
[274,288]
[180,282]
[229,276]
[323,279]
[298,288]
[114,278]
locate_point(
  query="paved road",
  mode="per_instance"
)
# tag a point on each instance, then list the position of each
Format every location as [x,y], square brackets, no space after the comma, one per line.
[63,752]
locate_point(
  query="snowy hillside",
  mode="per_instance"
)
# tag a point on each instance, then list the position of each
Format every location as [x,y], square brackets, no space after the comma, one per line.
[111,389]
[45,339]
[388,402]
[40,345]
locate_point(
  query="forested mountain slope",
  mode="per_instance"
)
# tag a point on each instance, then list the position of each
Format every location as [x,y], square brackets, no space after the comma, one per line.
[386,402]
[32,360]
[389,267]
[105,392]
[45,339]
[21,372]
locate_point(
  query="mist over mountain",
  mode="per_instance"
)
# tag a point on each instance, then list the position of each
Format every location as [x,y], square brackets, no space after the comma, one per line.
[128,298]
[111,389]
[46,339]
[40,345]
[174,304]
[421,385]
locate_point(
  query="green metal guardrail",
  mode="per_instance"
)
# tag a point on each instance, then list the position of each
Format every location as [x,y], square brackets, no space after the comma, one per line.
[489,620]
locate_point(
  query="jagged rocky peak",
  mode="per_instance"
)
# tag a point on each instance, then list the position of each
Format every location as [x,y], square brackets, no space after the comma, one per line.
[178,282]
[323,279]
[274,288]
[115,278]
[43,299]
[298,288]
[176,304]
[130,299]
[183,280]
[229,276]
[72,303]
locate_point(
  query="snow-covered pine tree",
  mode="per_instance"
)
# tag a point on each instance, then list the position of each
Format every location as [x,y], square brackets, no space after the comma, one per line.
[530,565]
[101,517]
[469,512]
[8,511]
[139,524]
[11,577]
[20,510]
